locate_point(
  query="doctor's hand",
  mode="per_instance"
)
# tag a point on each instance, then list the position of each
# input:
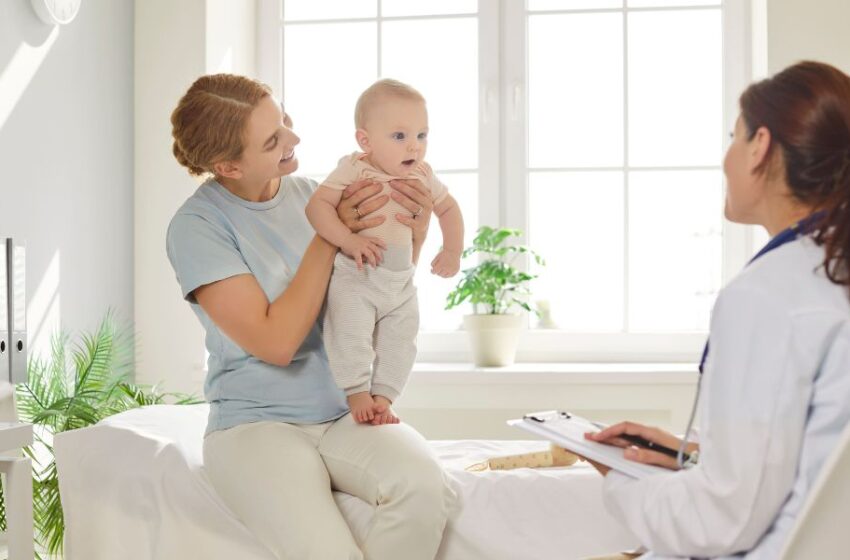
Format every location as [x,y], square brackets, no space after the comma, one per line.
[612,436]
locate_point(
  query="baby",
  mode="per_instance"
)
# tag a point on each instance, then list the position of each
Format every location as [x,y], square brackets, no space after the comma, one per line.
[372,315]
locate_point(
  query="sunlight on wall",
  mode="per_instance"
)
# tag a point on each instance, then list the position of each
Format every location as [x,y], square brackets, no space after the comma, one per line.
[44,310]
[225,65]
[17,75]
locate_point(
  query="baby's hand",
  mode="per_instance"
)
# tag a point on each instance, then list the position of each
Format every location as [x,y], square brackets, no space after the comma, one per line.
[362,248]
[446,263]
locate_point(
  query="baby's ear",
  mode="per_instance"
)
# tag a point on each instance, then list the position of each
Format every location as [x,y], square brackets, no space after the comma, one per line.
[363,140]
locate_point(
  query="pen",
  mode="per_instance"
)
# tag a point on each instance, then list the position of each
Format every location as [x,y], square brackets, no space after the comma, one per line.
[646,444]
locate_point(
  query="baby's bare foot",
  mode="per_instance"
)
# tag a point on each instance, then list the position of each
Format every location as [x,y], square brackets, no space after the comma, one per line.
[362,407]
[383,411]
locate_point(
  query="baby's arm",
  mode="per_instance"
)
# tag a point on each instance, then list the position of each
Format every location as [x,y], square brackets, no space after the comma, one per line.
[321,211]
[447,261]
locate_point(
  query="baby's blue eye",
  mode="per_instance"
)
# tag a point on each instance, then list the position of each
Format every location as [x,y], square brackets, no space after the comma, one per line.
[423,135]
[398,135]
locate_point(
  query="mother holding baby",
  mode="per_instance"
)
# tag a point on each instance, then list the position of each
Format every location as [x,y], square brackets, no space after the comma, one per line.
[279,437]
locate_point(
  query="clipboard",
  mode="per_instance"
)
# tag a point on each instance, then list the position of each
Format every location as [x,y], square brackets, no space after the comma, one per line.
[567,430]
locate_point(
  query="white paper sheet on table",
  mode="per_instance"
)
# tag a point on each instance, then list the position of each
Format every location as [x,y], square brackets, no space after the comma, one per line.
[133,487]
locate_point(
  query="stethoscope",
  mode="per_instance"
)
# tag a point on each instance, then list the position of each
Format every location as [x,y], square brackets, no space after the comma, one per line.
[804,226]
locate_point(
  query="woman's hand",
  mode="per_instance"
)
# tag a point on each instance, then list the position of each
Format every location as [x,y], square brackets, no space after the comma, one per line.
[416,197]
[355,205]
[612,436]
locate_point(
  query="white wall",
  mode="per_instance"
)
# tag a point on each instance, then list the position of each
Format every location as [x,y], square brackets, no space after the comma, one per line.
[808,29]
[175,42]
[66,148]
[460,402]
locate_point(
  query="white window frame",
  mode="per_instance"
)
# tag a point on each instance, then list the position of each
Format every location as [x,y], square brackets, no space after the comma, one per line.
[503,119]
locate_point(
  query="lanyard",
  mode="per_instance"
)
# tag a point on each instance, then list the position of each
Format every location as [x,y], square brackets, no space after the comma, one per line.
[788,235]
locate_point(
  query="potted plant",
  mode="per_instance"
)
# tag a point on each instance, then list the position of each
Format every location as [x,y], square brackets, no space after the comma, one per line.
[495,288]
[82,382]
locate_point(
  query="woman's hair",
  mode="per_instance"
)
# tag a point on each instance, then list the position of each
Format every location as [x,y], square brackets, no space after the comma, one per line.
[380,89]
[806,108]
[210,120]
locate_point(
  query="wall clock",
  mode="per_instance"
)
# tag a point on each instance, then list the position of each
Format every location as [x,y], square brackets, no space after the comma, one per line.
[55,12]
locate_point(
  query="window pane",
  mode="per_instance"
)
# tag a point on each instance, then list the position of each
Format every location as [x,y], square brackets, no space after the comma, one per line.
[670,3]
[760,238]
[409,53]
[675,88]
[320,90]
[675,249]
[575,91]
[298,10]
[433,289]
[543,5]
[576,224]
[392,8]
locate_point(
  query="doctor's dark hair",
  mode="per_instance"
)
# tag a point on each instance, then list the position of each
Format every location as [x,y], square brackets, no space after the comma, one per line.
[210,120]
[806,108]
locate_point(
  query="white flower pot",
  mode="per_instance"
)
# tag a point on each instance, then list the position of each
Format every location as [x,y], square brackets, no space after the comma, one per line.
[494,338]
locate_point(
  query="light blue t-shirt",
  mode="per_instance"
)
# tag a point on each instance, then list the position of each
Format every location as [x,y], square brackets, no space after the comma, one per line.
[217,235]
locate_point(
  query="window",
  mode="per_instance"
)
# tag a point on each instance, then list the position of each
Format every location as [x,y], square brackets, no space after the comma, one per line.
[596,126]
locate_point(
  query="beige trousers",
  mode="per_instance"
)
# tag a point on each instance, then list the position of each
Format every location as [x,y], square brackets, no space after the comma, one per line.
[370,327]
[277,479]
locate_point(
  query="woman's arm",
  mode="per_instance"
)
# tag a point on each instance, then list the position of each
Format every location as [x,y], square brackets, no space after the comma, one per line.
[274,331]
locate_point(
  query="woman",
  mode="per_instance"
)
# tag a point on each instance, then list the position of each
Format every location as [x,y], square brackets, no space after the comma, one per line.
[776,384]
[279,437]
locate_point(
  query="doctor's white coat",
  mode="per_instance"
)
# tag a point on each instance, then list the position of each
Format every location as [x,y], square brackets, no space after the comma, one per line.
[775,398]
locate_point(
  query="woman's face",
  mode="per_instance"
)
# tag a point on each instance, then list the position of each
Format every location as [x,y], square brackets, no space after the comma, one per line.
[270,148]
[743,184]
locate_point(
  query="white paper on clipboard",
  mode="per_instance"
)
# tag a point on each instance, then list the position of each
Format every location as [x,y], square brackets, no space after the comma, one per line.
[567,430]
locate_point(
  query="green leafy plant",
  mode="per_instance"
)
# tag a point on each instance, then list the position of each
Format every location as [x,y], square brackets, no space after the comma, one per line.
[495,283]
[80,384]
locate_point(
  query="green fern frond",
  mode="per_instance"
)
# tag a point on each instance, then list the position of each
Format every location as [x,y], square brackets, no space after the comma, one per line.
[80,384]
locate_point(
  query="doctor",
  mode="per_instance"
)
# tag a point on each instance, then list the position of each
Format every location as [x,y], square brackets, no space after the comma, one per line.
[776,383]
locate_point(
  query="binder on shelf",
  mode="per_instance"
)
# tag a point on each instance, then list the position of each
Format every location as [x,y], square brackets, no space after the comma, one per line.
[16,274]
[5,326]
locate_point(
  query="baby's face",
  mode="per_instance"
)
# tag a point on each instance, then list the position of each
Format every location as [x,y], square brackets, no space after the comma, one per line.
[397,131]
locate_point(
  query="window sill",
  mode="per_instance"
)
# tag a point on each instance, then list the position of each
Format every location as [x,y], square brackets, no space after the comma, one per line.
[560,373]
